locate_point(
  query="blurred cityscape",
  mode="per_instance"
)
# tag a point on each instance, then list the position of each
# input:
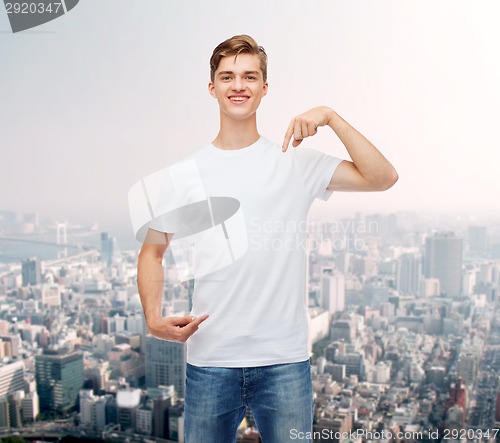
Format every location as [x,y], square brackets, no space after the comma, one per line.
[404,333]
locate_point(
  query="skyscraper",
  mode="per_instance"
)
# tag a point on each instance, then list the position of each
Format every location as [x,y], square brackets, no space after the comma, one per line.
[467,365]
[162,401]
[477,237]
[11,378]
[443,260]
[109,248]
[92,410]
[332,291]
[409,269]
[31,272]
[165,363]
[59,377]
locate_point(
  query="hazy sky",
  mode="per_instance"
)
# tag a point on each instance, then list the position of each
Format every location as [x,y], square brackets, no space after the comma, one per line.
[117,89]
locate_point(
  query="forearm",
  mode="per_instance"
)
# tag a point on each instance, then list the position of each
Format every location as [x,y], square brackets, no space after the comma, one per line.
[150,282]
[369,161]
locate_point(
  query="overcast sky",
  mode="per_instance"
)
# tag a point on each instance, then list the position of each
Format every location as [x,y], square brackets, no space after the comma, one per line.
[117,89]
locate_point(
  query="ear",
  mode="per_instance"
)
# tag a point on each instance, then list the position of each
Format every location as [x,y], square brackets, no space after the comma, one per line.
[211,89]
[265,87]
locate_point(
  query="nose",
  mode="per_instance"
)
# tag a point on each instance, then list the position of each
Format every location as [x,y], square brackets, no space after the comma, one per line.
[238,83]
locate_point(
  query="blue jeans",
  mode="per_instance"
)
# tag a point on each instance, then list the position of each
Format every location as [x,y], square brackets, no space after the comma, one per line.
[216,399]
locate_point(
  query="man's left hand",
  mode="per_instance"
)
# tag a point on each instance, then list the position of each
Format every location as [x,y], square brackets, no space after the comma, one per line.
[306,125]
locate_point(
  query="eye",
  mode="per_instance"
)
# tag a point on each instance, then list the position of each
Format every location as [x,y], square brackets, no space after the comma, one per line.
[225,77]
[251,77]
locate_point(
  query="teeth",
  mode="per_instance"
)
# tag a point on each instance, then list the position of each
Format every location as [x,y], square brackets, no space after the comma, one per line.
[238,99]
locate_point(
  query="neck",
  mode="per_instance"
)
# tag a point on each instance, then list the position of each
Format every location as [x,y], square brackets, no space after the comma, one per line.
[236,134]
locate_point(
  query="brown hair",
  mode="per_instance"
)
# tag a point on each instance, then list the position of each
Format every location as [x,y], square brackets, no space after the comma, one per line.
[238,44]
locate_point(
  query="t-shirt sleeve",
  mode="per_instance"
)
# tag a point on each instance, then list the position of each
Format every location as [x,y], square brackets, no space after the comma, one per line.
[316,169]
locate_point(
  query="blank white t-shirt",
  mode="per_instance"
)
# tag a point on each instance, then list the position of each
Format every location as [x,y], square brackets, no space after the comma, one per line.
[257,305]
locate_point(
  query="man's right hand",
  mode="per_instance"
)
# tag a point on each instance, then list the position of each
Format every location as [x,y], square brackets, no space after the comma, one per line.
[177,329]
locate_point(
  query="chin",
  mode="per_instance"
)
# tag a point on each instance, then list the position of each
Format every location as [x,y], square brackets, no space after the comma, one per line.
[239,115]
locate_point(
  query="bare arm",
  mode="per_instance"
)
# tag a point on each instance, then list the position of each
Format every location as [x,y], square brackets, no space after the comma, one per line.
[150,281]
[369,170]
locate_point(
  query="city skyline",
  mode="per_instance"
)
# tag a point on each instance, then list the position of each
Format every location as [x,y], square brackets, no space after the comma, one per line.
[419,81]
[395,343]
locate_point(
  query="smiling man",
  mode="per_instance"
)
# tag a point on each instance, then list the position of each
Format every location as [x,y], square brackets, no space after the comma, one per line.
[247,336]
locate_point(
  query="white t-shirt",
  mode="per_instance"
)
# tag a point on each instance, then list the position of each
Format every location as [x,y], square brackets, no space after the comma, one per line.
[257,304]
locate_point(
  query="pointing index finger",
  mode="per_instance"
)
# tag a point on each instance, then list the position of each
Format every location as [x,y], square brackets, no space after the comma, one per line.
[192,327]
[200,318]
[288,136]
[196,321]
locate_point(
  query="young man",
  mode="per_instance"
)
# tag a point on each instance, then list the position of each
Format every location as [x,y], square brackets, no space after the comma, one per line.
[247,341]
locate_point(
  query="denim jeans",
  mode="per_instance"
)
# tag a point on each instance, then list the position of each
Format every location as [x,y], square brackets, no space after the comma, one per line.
[216,399]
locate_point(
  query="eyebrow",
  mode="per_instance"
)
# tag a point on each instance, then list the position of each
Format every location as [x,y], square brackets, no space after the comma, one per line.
[231,72]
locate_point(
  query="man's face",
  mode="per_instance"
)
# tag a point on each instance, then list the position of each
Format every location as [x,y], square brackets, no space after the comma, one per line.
[238,85]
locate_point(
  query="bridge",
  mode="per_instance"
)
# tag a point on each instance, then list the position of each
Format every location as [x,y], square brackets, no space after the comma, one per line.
[45,242]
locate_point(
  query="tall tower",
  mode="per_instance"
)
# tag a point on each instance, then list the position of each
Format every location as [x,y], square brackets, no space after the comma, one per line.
[409,269]
[11,378]
[477,237]
[443,260]
[31,272]
[165,364]
[59,378]
[332,291]
[109,248]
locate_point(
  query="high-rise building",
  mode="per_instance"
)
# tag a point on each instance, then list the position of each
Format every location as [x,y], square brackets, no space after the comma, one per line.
[456,406]
[103,344]
[111,409]
[126,363]
[92,410]
[469,279]
[443,260]
[430,287]
[409,270]
[337,371]
[160,415]
[128,402]
[30,406]
[174,417]
[51,295]
[144,420]
[467,367]
[477,237]
[15,409]
[354,363]
[97,373]
[319,325]
[343,330]
[11,378]
[332,291]
[59,377]
[31,272]
[109,248]
[136,323]
[4,413]
[165,363]
[381,373]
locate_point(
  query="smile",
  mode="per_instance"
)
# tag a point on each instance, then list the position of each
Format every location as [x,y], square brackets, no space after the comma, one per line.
[238,100]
